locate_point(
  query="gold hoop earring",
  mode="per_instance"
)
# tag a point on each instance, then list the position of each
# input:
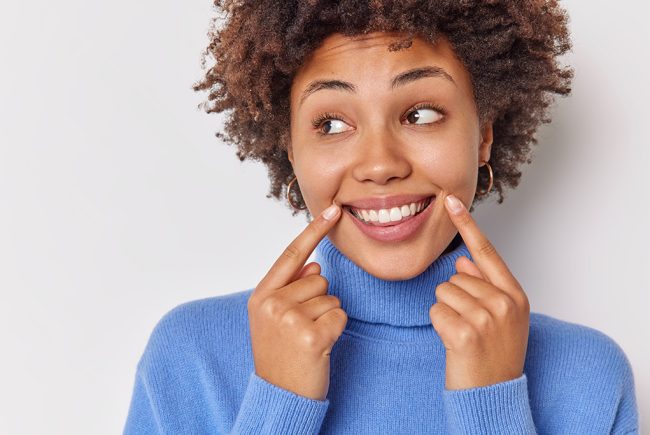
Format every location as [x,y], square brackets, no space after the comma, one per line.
[289,196]
[481,193]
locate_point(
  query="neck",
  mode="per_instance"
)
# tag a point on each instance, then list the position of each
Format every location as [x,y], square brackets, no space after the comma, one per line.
[370,299]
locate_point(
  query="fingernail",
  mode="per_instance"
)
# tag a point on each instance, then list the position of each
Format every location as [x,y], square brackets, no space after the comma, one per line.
[454,204]
[330,212]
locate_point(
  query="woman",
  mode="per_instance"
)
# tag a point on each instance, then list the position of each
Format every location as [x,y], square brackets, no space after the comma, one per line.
[387,121]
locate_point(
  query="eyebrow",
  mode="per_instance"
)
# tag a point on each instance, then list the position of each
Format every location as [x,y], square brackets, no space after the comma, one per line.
[399,80]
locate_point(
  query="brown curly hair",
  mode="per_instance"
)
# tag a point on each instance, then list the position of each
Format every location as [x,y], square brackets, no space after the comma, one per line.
[509,48]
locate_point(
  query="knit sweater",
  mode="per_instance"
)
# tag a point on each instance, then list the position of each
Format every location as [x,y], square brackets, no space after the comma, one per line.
[197,376]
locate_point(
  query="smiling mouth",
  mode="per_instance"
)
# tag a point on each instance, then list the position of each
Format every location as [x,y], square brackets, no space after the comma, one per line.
[390,217]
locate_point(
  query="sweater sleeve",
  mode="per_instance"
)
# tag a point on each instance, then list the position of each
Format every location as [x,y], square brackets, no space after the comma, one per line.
[627,414]
[269,409]
[498,408]
[265,409]
[141,418]
[177,392]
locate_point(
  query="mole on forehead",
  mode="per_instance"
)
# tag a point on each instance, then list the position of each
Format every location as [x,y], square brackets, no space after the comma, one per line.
[340,45]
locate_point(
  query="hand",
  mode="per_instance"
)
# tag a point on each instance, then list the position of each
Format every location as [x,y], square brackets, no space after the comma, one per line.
[294,323]
[481,314]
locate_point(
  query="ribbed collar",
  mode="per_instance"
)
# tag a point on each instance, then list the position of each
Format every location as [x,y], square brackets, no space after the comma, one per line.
[370,299]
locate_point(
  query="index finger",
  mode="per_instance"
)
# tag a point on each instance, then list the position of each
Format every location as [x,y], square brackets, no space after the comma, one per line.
[295,255]
[482,250]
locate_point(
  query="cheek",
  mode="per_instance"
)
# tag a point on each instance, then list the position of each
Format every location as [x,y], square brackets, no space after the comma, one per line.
[451,165]
[320,176]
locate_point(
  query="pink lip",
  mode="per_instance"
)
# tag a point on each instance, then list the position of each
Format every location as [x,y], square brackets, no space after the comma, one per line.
[385,202]
[394,233]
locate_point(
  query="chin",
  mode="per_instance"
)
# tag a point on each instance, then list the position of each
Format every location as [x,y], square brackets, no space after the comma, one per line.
[391,262]
[390,271]
[391,265]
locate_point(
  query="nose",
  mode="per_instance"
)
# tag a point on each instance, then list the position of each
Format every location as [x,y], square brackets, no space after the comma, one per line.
[380,157]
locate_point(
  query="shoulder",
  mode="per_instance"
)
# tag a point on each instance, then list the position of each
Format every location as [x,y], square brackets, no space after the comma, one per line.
[193,326]
[199,312]
[545,329]
[576,349]
[581,372]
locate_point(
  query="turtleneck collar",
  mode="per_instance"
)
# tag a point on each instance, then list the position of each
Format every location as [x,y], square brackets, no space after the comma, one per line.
[370,299]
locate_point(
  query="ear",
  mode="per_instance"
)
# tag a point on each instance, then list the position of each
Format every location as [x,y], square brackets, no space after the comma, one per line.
[290,153]
[485,147]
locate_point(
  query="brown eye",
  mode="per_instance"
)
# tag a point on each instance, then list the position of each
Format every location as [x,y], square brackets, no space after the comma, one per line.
[423,116]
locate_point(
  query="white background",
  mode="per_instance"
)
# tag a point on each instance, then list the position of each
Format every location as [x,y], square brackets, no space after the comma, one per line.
[117,202]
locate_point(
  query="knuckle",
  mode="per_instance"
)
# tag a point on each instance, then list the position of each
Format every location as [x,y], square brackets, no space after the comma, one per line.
[309,339]
[291,251]
[465,219]
[486,248]
[334,300]
[504,305]
[341,313]
[291,318]
[272,306]
[325,282]
[339,318]
[483,319]
[466,336]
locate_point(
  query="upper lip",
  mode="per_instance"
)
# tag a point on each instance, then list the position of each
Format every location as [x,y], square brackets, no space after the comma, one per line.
[386,202]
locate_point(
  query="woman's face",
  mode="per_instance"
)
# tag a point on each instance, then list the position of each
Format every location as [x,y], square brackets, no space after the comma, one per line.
[367,132]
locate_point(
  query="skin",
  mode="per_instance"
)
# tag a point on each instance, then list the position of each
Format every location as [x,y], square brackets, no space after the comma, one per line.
[482,312]
[377,152]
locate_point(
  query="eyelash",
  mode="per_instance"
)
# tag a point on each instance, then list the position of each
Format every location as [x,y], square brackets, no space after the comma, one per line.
[318,121]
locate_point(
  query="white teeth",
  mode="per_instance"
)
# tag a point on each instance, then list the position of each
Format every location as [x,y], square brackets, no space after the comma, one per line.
[395,214]
[391,215]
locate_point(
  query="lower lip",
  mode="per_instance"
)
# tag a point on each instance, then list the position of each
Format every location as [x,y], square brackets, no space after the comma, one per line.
[395,233]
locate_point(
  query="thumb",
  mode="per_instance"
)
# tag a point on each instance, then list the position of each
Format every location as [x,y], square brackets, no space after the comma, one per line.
[465,265]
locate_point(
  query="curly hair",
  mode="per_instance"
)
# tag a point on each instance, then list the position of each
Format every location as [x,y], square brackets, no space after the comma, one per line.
[509,47]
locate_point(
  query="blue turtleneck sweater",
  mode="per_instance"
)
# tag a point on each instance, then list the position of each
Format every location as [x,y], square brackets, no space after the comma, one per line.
[196,374]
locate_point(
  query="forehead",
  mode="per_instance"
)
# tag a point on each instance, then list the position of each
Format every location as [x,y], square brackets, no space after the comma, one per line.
[366,58]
